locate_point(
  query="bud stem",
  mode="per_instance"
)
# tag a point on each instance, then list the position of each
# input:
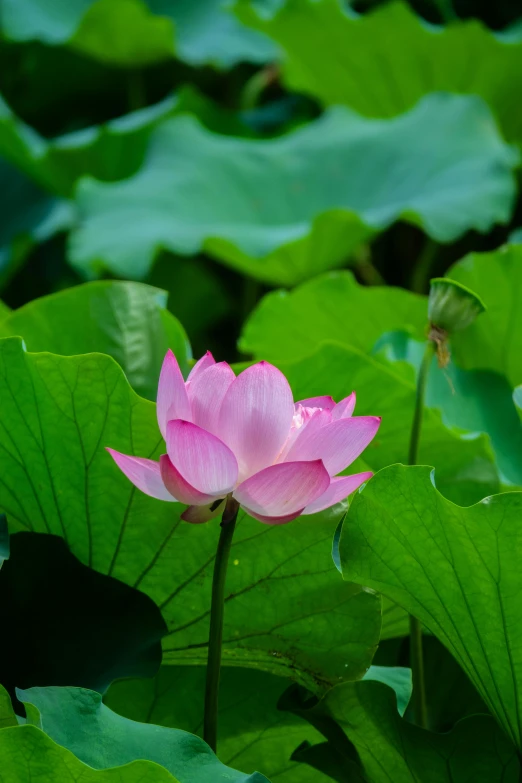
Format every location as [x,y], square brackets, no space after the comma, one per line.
[422,378]
[416,653]
[228,523]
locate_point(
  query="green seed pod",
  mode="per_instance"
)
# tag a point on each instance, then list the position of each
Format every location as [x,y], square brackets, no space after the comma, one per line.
[452,306]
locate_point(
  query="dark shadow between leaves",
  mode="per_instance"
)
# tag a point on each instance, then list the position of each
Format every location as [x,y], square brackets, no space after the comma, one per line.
[65,624]
[4,539]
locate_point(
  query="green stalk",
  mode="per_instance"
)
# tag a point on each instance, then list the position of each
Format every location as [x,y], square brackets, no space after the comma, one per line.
[420,710]
[210,722]
[420,707]
[363,265]
[256,85]
[413,452]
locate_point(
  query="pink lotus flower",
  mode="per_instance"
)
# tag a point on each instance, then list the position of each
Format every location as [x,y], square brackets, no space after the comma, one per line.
[244,435]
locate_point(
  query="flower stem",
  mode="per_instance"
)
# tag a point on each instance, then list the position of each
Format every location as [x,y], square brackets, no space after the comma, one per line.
[363,265]
[413,452]
[228,523]
[420,707]
[420,710]
[256,85]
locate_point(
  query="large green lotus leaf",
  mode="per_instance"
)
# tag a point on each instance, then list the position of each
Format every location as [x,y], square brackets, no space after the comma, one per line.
[28,216]
[332,307]
[58,414]
[118,32]
[285,209]
[7,714]
[110,151]
[128,321]
[253,733]
[76,719]
[388,748]
[124,33]
[382,63]
[131,33]
[34,20]
[456,569]
[517,399]
[207,32]
[395,621]
[464,465]
[474,400]
[493,341]
[27,754]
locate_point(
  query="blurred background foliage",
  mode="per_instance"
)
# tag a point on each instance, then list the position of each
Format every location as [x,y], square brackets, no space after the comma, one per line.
[286,176]
[191,145]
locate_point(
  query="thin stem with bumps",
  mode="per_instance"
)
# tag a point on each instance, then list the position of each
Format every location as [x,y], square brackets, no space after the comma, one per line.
[210,722]
[420,709]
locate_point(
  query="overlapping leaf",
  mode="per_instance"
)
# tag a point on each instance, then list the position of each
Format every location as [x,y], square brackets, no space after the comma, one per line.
[253,733]
[28,216]
[464,465]
[118,32]
[26,753]
[109,152]
[127,321]
[71,736]
[285,209]
[494,341]
[517,399]
[207,32]
[58,415]
[380,746]
[395,621]
[456,569]
[134,33]
[475,400]
[7,714]
[329,308]
[335,308]
[383,62]
[76,719]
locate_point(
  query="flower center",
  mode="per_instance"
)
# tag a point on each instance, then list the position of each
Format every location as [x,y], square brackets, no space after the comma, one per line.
[301,416]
